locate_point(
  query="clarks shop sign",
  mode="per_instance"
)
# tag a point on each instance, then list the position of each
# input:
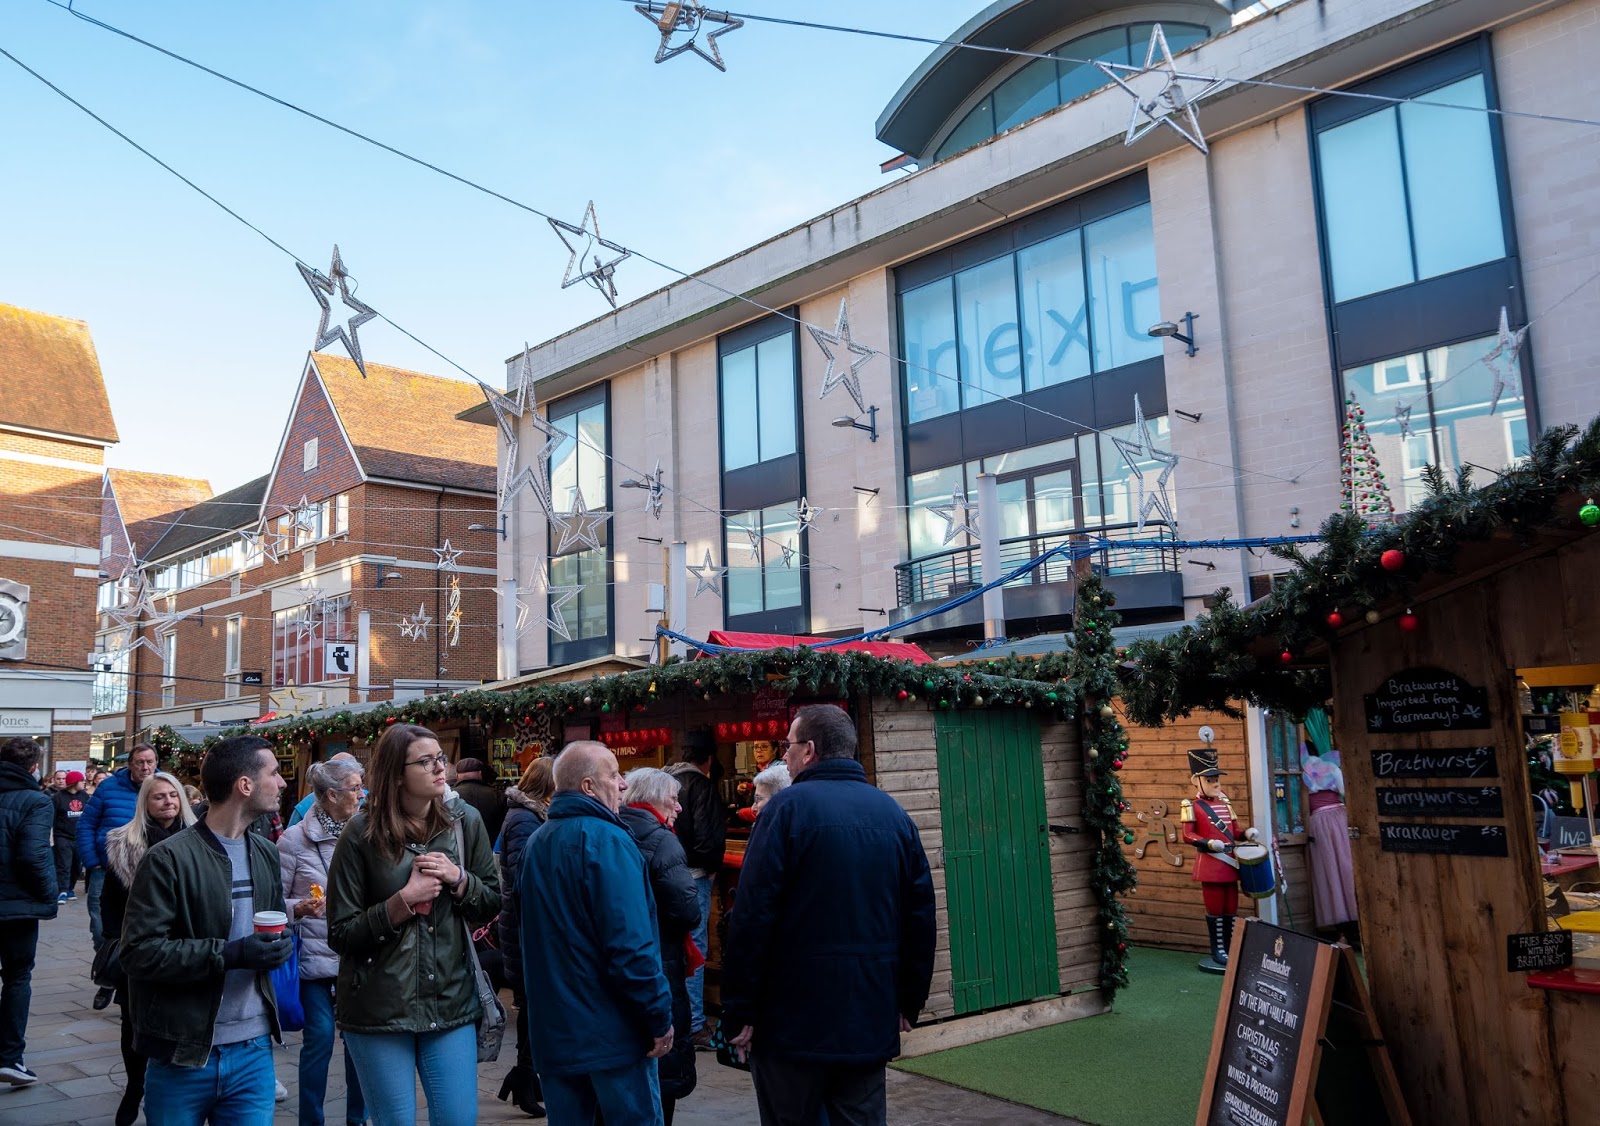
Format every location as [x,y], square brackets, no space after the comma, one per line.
[24,721]
[1426,699]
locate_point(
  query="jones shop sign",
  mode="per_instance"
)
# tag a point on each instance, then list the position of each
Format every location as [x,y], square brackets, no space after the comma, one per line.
[1426,700]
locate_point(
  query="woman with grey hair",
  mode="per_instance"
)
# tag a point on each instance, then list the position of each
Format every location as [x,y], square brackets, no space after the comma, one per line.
[651,810]
[769,783]
[304,851]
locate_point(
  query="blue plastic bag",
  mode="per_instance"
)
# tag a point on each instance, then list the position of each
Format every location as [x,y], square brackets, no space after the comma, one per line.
[286,987]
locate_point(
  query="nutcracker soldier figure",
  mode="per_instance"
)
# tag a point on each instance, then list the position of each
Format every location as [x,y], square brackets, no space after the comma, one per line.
[1209,825]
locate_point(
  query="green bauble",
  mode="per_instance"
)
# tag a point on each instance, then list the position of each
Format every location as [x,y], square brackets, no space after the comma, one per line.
[1589,514]
[1127,837]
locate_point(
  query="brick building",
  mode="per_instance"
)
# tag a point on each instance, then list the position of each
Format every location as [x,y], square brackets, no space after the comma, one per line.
[55,425]
[339,544]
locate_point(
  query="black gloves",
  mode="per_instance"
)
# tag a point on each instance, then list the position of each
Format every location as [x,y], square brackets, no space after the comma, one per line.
[257,952]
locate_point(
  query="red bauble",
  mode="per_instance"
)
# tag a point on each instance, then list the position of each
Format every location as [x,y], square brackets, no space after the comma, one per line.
[1393,559]
[1286,656]
[1335,619]
[1409,622]
[901,695]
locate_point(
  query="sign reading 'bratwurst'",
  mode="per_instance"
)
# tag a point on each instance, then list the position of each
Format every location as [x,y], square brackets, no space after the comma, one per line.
[1426,699]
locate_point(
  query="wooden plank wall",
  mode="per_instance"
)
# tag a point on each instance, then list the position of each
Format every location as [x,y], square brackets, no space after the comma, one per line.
[905,765]
[1165,909]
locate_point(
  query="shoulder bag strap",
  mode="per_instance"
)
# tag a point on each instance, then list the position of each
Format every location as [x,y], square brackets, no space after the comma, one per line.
[461,852]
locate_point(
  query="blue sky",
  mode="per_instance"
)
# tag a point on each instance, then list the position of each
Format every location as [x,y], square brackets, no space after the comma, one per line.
[202,327]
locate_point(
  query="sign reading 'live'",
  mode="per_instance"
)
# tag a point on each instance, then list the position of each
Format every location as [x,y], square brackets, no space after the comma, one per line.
[1426,699]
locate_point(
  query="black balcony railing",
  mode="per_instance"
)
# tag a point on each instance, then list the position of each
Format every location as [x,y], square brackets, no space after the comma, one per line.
[948,574]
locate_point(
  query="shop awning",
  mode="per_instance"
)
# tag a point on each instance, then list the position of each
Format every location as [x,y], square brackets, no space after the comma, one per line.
[890,650]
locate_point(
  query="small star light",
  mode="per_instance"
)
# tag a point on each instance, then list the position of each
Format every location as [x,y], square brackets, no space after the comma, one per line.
[789,550]
[1142,445]
[653,490]
[542,603]
[601,275]
[322,287]
[753,539]
[676,16]
[806,514]
[449,557]
[415,626]
[849,379]
[304,515]
[708,576]
[1402,415]
[262,540]
[1161,94]
[958,516]
[1504,359]
[579,526]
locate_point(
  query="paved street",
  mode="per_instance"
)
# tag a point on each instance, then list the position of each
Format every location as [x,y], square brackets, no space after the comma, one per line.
[74,1050]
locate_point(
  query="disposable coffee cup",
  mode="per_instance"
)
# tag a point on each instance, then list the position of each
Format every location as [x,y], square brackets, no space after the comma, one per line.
[270,922]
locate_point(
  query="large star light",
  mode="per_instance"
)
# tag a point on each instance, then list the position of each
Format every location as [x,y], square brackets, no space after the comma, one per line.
[1162,95]
[958,516]
[414,627]
[707,576]
[1504,359]
[509,411]
[540,603]
[322,287]
[677,16]
[850,378]
[581,242]
[578,527]
[1142,447]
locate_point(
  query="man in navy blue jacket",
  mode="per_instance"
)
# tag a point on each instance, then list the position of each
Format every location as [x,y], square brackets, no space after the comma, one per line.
[830,947]
[600,1010]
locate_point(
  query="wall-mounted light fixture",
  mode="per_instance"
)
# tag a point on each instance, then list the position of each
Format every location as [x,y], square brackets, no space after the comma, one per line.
[1192,416]
[845,421]
[389,576]
[1167,328]
[500,531]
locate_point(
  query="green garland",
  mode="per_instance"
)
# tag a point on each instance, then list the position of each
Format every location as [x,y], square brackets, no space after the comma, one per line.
[1213,662]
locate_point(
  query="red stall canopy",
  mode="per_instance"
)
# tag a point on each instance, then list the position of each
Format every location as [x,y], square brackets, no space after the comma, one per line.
[892,650]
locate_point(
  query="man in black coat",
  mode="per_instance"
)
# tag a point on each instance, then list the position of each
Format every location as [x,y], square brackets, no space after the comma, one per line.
[27,894]
[703,830]
[830,949]
[471,786]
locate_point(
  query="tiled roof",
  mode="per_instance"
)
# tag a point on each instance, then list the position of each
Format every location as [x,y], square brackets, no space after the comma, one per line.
[51,376]
[144,496]
[230,511]
[403,424]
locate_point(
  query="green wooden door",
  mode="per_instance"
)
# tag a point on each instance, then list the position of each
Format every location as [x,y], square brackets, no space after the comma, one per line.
[997,859]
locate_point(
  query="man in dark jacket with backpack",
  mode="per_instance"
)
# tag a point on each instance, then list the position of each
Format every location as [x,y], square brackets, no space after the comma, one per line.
[830,948]
[27,894]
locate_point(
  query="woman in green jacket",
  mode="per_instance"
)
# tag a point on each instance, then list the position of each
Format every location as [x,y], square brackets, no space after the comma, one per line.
[410,874]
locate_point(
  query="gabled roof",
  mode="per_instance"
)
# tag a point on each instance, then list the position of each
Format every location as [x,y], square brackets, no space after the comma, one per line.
[149,503]
[402,424]
[51,376]
[231,511]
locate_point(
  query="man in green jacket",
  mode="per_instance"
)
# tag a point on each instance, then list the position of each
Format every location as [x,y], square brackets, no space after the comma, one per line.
[202,1000]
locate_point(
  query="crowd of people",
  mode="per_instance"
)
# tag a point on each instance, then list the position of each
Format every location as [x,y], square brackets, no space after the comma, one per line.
[408,896]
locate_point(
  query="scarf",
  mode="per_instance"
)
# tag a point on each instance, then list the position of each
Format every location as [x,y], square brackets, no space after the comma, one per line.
[329,825]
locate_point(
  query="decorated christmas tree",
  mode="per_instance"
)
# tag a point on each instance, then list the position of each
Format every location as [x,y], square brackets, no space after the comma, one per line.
[1365,493]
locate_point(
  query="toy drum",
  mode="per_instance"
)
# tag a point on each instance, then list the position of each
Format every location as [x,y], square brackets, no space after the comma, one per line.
[1255,870]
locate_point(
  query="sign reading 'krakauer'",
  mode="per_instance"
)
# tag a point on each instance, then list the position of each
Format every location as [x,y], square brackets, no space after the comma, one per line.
[1426,699]
[1448,840]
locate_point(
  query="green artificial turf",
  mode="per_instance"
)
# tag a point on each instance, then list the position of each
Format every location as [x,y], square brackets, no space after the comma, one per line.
[1139,1065]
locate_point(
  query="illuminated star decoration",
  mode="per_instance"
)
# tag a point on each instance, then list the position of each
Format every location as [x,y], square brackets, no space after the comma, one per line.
[1503,360]
[849,379]
[313,603]
[1142,445]
[449,557]
[508,411]
[1402,415]
[452,617]
[806,514]
[262,540]
[142,606]
[601,275]
[541,604]
[685,15]
[959,516]
[789,550]
[754,540]
[653,491]
[1161,94]
[707,576]
[304,514]
[322,287]
[579,526]
[415,626]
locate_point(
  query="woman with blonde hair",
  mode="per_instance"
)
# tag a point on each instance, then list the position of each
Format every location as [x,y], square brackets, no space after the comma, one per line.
[527,804]
[412,874]
[161,810]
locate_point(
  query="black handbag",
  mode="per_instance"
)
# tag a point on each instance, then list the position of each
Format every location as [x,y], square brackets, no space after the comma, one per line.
[107,968]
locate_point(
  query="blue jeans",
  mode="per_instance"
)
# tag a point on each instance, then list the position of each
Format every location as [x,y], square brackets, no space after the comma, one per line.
[316,1051]
[93,881]
[626,1096]
[701,935]
[234,1088]
[389,1063]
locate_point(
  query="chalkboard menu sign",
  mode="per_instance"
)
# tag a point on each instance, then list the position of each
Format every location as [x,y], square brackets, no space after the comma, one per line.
[1539,950]
[1446,801]
[1426,699]
[1446,840]
[1452,762]
[1569,832]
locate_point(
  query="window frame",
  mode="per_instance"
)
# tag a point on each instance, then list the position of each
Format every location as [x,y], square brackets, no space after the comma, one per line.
[560,651]
[769,619]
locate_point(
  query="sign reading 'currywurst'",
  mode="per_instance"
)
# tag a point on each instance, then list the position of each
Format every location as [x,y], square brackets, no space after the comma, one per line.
[1446,801]
[1426,699]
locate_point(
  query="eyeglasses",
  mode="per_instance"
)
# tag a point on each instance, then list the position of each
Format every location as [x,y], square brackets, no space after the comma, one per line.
[783,745]
[430,762]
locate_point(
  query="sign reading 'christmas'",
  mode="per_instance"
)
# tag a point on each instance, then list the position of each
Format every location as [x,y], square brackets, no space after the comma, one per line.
[1426,699]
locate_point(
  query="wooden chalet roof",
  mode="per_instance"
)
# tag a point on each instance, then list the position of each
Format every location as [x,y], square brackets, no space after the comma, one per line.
[51,376]
[403,425]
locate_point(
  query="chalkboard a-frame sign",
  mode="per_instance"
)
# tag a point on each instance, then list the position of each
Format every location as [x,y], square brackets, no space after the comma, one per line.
[1426,699]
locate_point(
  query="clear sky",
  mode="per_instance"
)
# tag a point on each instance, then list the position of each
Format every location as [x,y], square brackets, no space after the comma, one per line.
[202,326]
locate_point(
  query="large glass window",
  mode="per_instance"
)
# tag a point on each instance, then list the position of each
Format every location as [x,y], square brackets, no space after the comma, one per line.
[1433,408]
[1050,312]
[111,683]
[762,549]
[298,634]
[758,401]
[1410,192]
[579,463]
